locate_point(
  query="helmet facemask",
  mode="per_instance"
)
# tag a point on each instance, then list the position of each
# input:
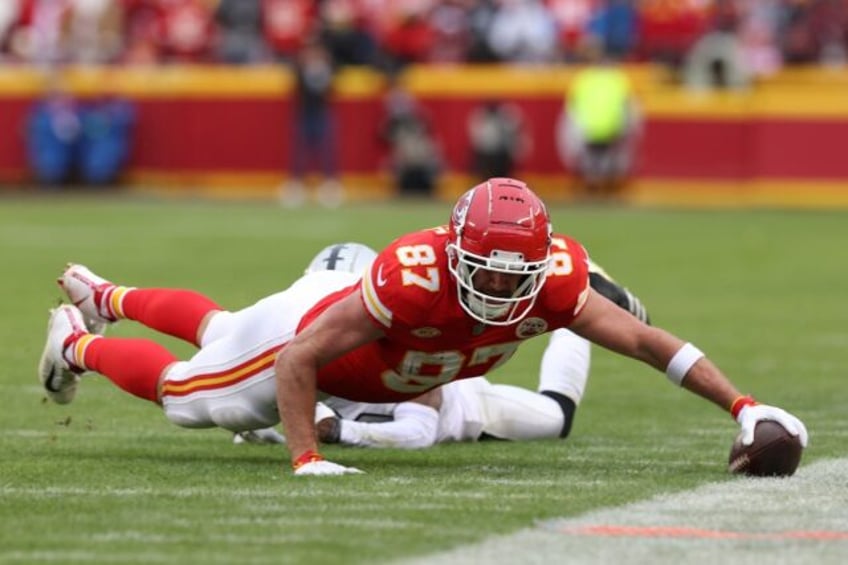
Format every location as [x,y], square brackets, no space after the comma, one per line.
[490,309]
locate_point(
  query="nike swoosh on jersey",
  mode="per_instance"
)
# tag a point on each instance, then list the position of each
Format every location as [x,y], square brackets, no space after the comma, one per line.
[380,280]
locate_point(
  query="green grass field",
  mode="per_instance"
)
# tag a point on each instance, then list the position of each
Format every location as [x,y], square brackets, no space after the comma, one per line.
[107,479]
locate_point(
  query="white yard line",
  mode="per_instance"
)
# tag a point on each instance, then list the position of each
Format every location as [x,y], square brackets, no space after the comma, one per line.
[803,519]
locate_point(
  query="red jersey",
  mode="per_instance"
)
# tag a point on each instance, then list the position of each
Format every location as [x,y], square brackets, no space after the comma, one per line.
[430,340]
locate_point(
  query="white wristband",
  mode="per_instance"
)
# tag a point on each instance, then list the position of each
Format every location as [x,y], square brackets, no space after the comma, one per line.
[682,361]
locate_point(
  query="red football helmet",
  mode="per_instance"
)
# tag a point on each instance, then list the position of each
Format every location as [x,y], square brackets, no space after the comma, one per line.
[499,225]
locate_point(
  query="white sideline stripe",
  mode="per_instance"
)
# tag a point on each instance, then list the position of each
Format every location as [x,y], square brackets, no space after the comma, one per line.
[64,429]
[423,500]
[760,511]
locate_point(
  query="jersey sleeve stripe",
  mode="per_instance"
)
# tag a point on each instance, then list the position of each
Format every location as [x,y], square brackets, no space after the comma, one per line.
[581,300]
[372,302]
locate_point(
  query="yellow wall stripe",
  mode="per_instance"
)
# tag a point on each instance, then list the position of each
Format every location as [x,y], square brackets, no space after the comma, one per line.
[807,92]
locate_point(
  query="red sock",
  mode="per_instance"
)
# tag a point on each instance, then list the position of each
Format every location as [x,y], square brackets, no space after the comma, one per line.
[171,311]
[132,364]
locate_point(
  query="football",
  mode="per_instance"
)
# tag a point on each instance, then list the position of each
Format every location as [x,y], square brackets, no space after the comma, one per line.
[774,452]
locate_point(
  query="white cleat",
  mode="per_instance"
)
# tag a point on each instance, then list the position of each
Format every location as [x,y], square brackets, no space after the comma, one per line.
[57,376]
[85,291]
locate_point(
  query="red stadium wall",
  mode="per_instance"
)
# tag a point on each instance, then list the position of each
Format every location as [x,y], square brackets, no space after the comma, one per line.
[199,124]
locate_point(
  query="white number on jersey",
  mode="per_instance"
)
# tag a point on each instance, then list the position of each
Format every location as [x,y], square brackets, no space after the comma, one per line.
[561,263]
[419,256]
[448,364]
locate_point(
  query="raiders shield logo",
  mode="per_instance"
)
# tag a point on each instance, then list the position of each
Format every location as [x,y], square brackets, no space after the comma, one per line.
[530,327]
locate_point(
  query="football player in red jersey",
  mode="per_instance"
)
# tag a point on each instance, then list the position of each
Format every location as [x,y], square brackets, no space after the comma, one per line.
[467,409]
[450,303]
[435,305]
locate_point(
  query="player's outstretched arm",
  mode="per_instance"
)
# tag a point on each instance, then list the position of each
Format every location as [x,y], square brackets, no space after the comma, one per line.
[414,425]
[604,323]
[341,328]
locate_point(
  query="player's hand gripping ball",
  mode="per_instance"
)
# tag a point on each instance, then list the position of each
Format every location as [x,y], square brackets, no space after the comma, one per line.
[773,453]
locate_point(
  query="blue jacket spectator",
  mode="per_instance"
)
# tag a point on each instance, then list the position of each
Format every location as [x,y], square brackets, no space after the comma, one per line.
[107,126]
[52,136]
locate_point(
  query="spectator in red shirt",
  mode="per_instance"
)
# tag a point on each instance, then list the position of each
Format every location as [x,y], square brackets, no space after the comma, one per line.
[188,30]
[408,39]
[286,23]
[669,28]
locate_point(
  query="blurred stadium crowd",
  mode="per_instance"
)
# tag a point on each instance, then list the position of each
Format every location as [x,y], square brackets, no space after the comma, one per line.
[391,33]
